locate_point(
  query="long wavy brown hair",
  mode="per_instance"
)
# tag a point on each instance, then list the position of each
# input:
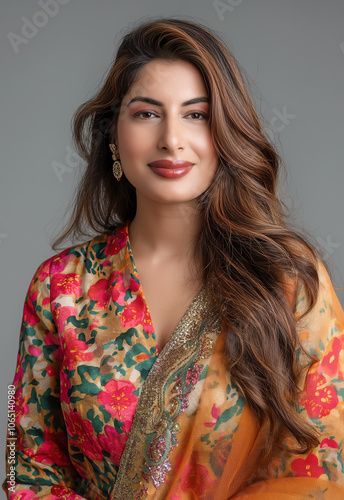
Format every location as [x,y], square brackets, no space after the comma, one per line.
[245,246]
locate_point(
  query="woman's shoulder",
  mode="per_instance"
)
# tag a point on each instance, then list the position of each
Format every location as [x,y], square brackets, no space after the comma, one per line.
[323,324]
[88,256]
[326,297]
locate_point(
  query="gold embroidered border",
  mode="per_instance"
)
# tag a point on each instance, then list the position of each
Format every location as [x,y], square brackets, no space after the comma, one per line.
[151,406]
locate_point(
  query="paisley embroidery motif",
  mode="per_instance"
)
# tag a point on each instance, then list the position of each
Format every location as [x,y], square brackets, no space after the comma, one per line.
[154,430]
[166,438]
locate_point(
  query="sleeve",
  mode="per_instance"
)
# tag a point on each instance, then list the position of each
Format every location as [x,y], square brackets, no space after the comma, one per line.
[320,473]
[38,465]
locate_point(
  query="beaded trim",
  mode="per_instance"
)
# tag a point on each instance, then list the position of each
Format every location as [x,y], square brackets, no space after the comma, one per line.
[153,434]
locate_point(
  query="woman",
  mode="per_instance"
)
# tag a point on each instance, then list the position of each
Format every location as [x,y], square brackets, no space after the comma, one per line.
[230,384]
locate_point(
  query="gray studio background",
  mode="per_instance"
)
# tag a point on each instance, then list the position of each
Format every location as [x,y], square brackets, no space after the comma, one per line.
[293,51]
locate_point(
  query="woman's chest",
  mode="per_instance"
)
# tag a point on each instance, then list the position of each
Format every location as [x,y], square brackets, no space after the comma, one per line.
[168,292]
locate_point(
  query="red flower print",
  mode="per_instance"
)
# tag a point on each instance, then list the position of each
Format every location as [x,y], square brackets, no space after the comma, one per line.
[66,284]
[124,281]
[23,495]
[318,401]
[114,442]
[60,261]
[34,351]
[73,349]
[215,413]
[51,450]
[65,385]
[100,292]
[94,324]
[61,314]
[307,467]
[330,362]
[44,270]
[135,313]
[51,339]
[81,434]
[63,493]
[50,371]
[106,289]
[116,242]
[328,443]
[119,399]
[195,478]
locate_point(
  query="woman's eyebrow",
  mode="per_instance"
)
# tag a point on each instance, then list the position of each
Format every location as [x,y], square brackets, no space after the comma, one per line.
[149,100]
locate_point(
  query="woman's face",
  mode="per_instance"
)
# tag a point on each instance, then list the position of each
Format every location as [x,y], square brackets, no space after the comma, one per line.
[166,128]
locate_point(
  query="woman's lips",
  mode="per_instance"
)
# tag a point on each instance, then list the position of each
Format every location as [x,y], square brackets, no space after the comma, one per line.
[171,173]
[171,169]
[170,163]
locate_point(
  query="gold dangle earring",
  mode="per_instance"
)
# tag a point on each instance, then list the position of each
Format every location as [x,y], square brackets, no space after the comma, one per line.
[117,168]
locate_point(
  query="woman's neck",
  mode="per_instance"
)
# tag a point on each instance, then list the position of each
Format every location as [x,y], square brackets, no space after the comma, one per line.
[164,231]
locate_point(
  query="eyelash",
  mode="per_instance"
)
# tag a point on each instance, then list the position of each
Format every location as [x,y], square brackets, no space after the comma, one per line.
[205,116]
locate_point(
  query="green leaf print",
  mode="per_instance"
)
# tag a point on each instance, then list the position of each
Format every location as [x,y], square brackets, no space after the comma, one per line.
[98,248]
[135,351]
[230,412]
[96,422]
[123,337]
[48,350]
[48,315]
[82,323]
[37,434]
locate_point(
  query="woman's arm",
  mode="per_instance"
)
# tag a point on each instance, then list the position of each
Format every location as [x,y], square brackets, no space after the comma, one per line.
[319,474]
[37,459]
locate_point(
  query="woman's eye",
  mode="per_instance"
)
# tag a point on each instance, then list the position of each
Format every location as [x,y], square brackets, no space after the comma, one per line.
[140,113]
[202,115]
[146,115]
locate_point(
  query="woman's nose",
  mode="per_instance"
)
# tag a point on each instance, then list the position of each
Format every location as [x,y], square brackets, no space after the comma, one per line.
[172,135]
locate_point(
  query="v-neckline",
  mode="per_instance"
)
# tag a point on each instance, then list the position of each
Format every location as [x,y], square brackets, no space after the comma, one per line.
[196,297]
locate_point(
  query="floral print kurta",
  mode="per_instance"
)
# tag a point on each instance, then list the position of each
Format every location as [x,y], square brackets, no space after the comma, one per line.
[102,414]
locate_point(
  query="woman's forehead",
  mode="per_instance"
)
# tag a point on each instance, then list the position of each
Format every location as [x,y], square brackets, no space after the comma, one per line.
[167,79]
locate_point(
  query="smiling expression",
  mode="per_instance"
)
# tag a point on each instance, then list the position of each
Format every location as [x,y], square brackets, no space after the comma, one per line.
[165,116]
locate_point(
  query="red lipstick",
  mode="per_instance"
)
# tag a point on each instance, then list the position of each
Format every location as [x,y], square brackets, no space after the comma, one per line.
[171,169]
